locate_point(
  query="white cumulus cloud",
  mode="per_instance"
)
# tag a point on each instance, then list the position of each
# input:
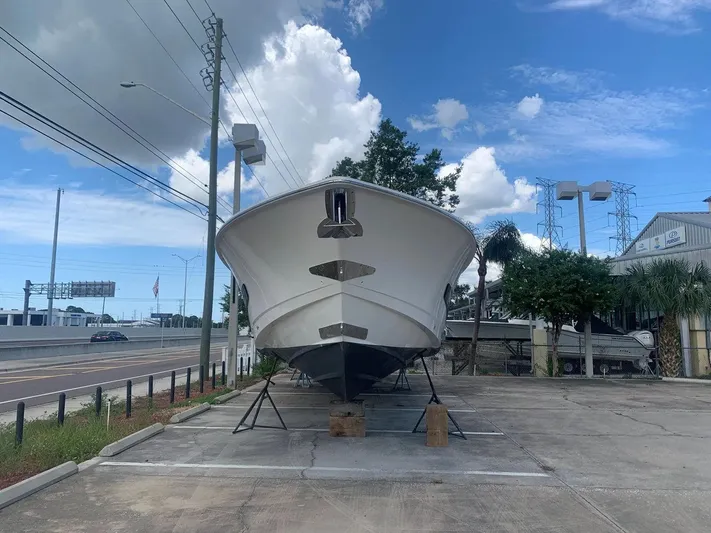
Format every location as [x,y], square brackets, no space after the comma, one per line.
[530,106]
[446,115]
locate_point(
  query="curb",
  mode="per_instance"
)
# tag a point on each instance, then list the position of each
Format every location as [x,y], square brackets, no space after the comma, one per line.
[688,380]
[189,413]
[90,462]
[21,490]
[227,397]
[127,442]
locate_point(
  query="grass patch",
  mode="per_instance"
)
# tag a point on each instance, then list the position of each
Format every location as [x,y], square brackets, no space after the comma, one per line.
[46,444]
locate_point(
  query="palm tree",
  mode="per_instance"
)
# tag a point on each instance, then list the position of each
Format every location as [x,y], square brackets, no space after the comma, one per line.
[676,290]
[499,244]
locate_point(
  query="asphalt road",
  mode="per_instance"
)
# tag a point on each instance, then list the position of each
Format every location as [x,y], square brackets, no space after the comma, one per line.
[41,385]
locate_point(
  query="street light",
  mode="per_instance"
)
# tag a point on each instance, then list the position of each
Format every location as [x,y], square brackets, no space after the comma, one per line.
[131,84]
[251,149]
[598,191]
[185,284]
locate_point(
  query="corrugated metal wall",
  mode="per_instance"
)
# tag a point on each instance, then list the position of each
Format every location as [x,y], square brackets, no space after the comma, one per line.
[695,235]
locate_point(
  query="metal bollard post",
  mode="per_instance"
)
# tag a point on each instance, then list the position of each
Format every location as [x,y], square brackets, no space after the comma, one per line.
[60,411]
[249,360]
[172,386]
[129,386]
[19,423]
[97,401]
[241,369]
[214,375]
[150,387]
[187,384]
[201,375]
[224,376]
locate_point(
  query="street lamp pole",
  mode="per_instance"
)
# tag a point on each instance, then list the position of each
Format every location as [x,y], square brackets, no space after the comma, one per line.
[185,284]
[598,191]
[131,84]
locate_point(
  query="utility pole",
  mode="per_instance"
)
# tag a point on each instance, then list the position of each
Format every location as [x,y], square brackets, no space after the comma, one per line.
[212,204]
[185,284]
[50,289]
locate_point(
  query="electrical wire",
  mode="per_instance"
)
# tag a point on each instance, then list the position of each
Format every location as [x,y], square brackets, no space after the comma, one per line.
[183,25]
[166,159]
[98,163]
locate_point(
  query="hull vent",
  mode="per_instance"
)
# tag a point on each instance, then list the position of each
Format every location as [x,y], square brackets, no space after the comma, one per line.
[342,270]
[348,330]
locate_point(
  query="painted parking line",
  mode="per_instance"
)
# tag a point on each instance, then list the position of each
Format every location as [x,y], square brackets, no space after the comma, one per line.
[306,468]
[376,409]
[325,430]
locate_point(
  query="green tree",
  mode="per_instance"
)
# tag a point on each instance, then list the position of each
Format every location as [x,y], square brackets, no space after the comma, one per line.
[74,309]
[391,161]
[459,296]
[242,311]
[676,290]
[500,243]
[559,286]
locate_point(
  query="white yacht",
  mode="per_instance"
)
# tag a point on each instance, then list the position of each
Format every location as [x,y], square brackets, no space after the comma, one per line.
[345,280]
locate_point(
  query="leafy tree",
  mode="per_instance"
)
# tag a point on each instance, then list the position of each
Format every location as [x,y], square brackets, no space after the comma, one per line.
[74,309]
[499,243]
[391,161]
[107,319]
[242,311]
[672,287]
[560,286]
[459,296]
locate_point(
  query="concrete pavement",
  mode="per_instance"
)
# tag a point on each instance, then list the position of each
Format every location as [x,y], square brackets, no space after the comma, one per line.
[541,455]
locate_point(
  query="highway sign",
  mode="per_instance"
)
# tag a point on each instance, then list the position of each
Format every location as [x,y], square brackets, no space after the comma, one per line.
[161,315]
[93,289]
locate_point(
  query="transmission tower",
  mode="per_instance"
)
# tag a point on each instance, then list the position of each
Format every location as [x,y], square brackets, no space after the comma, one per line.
[622,214]
[550,228]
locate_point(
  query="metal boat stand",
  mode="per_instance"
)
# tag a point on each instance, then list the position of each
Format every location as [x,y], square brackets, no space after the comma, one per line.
[435,399]
[303,381]
[264,393]
[402,383]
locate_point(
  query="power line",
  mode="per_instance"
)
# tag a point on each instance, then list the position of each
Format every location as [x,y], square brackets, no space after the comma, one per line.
[181,23]
[98,163]
[36,115]
[166,159]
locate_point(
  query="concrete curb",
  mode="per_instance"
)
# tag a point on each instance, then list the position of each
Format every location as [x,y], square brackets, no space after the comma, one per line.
[227,397]
[127,442]
[193,411]
[90,462]
[21,490]
[688,380]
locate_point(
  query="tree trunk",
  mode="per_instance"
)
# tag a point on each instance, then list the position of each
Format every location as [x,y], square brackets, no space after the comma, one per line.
[669,347]
[480,289]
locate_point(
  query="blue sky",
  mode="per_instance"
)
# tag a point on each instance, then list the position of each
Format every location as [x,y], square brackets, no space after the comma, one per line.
[585,90]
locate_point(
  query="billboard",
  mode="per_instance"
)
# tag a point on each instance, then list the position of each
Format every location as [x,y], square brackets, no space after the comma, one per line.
[93,289]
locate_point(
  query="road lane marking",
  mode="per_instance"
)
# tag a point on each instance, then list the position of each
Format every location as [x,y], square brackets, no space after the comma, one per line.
[92,385]
[307,468]
[34,378]
[94,368]
[326,430]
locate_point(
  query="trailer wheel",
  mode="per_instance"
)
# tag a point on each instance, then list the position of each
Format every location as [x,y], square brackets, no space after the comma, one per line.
[604,368]
[568,368]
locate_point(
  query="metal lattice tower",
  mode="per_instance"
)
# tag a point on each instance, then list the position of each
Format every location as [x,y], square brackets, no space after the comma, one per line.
[550,228]
[622,192]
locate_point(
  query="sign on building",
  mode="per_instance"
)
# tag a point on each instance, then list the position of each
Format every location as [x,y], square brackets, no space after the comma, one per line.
[668,239]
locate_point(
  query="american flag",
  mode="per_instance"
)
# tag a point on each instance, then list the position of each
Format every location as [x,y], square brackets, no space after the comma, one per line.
[155,287]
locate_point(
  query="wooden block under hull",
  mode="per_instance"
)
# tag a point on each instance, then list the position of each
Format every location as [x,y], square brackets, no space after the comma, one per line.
[437,425]
[346,426]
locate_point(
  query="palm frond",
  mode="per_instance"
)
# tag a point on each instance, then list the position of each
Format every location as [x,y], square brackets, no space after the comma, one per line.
[502,242]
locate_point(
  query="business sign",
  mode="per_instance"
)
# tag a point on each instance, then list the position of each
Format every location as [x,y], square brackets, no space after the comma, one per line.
[93,289]
[668,239]
[675,237]
[161,315]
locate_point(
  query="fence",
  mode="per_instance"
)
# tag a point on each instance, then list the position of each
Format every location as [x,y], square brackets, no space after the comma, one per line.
[245,371]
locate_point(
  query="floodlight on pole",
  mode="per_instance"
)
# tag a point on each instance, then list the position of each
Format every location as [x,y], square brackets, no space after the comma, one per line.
[598,191]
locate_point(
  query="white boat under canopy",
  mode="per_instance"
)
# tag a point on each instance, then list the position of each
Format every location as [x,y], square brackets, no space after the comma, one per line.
[345,280]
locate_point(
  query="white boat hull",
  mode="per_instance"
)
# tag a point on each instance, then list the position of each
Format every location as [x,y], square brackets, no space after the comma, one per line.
[348,300]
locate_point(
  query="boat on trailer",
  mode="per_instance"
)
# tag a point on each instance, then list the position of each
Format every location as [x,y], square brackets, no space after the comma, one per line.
[345,280]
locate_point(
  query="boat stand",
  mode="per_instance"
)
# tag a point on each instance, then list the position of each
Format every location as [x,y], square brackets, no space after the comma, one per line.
[303,381]
[264,393]
[402,383]
[435,399]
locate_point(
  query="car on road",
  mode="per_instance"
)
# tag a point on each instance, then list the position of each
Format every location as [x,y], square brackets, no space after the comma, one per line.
[108,336]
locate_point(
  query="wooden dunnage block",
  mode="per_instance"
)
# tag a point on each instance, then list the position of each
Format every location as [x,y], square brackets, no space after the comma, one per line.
[437,425]
[346,419]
